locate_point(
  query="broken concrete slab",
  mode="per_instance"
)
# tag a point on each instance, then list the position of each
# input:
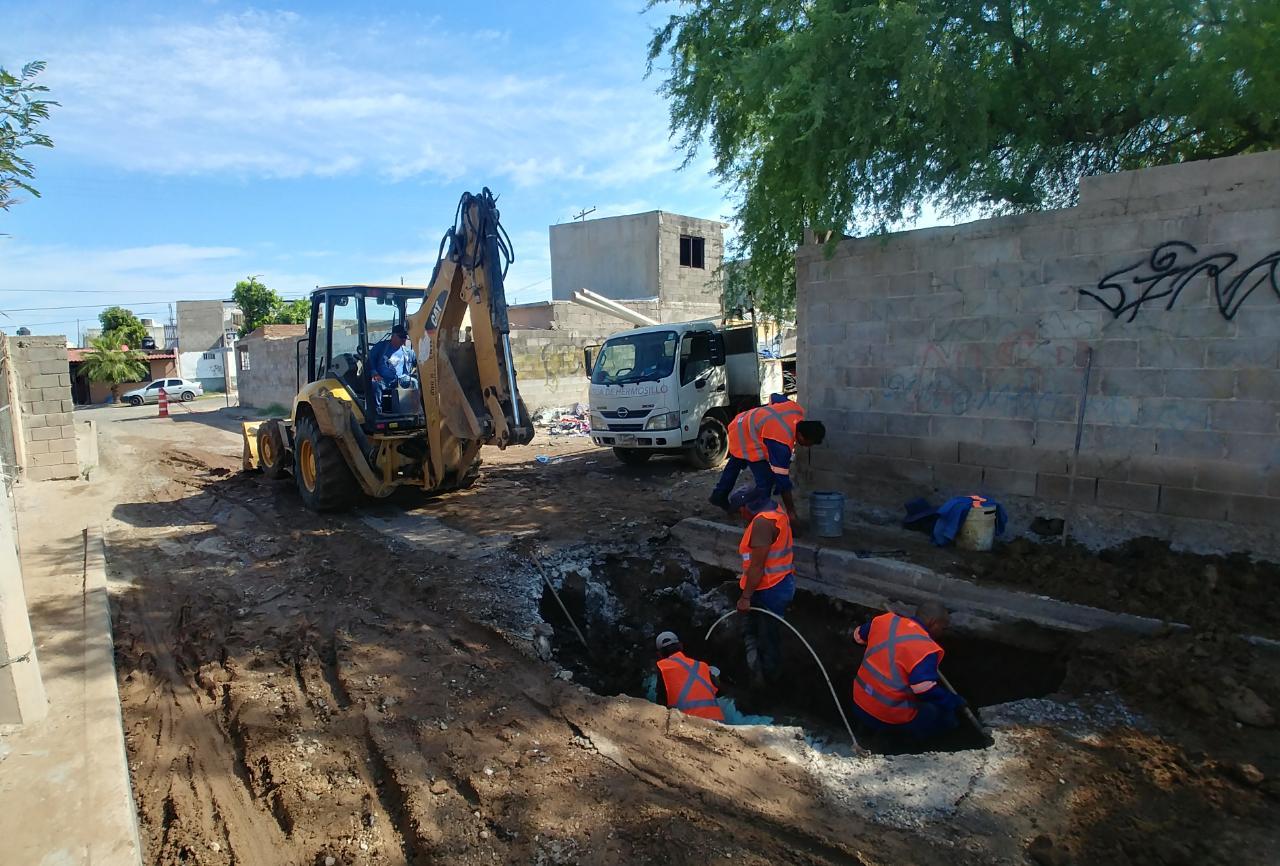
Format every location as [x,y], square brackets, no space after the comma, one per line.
[878,583]
[424,532]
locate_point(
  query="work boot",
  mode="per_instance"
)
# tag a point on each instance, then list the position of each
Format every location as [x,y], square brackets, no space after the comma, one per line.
[720,499]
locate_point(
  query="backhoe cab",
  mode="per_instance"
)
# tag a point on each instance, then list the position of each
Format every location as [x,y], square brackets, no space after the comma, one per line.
[377,412]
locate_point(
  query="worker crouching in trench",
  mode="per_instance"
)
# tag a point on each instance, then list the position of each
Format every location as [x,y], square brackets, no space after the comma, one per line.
[684,683]
[898,687]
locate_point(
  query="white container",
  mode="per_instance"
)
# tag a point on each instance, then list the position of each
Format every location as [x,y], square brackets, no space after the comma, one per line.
[978,532]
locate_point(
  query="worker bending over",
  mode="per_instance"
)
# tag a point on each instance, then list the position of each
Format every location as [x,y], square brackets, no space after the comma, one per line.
[686,684]
[767,580]
[898,686]
[764,439]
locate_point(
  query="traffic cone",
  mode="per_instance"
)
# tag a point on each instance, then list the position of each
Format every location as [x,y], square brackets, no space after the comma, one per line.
[164,403]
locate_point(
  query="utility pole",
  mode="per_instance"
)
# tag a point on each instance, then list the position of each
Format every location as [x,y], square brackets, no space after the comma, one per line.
[581,216]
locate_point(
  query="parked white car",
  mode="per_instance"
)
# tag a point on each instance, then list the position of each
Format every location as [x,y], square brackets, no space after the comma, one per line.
[177,389]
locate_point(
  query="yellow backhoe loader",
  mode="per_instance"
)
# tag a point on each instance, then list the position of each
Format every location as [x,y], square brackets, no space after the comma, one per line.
[371,416]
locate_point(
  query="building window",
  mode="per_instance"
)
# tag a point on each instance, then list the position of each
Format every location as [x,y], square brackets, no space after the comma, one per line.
[691,252]
[209,356]
[244,361]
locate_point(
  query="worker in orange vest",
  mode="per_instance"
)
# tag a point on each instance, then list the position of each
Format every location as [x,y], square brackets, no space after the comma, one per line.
[686,684]
[898,686]
[764,439]
[768,578]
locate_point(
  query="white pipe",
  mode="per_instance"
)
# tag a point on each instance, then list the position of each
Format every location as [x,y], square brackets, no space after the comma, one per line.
[623,313]
[614,305]
[599,308]
[627,316]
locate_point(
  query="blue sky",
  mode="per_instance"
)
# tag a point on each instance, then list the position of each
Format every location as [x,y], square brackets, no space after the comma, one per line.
[316,143]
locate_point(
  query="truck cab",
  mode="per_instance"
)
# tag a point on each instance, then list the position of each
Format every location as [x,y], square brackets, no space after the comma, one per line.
[674,388]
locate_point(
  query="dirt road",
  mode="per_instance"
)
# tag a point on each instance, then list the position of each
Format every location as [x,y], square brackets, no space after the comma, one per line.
[298,689]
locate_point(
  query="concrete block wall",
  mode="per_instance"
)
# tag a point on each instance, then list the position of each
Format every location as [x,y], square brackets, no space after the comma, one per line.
[549,369]
[951,360]
[44,398]
[275,366]
[695,290]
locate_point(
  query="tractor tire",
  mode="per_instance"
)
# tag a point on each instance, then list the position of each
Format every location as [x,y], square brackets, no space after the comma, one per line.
[188,396]
[632,456]
[710,448]
[325,482]
[273,459]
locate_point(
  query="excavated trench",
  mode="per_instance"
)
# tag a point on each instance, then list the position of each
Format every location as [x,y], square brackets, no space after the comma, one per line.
[621,601]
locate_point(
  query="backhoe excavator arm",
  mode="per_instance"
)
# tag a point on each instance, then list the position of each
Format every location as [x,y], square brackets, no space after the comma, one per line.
[468,388]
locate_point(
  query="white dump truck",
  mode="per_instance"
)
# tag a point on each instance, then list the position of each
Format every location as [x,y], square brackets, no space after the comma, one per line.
[674,388]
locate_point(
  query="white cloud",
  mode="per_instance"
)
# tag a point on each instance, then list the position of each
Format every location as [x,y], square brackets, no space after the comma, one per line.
[279,96]
[57,284]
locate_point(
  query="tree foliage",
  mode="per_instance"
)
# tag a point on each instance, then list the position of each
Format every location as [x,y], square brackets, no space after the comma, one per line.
[295,312]
[107,362]
[121,326]
[22,108]
[848,116]
[263,306]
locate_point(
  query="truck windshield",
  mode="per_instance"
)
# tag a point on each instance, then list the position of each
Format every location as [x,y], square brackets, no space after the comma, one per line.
[636,358]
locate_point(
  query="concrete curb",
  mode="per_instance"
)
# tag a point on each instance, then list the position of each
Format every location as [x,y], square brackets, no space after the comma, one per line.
[875,583]
[106,758]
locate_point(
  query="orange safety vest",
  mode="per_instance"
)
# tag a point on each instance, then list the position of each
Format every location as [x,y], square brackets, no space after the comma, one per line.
[689,686]
[779,563]
[895,645]
[776,421]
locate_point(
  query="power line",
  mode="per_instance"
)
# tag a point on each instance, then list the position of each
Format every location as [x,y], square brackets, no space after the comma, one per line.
[118,304]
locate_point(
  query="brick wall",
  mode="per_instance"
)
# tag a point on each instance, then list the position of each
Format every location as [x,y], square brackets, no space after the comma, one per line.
[44,397]
[947,361]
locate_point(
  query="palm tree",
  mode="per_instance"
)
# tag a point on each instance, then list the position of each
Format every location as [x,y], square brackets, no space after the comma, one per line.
[114,362]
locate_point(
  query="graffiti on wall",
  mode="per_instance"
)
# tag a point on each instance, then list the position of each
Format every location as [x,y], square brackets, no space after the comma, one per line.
[1171,267]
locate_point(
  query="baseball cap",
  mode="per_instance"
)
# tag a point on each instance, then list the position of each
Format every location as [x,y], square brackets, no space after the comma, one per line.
[752,498]
[399,331]
[666,639]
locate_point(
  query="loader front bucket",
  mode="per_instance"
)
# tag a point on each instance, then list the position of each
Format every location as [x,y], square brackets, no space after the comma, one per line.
[249,456]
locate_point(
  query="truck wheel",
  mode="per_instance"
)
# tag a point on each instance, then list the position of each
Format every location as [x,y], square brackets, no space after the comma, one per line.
[709,449]
[325,482]
[632,456]
[272,457]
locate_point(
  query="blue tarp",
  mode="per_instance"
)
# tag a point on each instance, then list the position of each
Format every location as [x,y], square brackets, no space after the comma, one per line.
[950,516]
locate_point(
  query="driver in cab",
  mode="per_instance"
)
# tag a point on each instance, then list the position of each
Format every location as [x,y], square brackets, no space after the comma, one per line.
[393,363]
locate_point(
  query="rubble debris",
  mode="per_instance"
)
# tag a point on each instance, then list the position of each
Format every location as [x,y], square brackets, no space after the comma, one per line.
[565,421]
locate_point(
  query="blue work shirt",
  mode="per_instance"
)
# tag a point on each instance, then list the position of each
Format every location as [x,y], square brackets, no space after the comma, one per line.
[391,363]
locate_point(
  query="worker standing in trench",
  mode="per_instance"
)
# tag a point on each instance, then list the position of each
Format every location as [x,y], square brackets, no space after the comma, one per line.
[898,686]
[767,580]
[684,683]
[763,440]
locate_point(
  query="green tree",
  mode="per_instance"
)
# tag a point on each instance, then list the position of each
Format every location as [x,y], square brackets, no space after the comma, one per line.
[262,306]
[848,115]
[296,312]
[22,107]
[121,326]
[107,362]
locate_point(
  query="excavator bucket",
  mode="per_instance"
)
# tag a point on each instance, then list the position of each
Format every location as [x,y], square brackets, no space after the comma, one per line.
[468,385]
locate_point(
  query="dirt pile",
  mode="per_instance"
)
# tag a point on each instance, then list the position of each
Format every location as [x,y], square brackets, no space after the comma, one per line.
[1144,577]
